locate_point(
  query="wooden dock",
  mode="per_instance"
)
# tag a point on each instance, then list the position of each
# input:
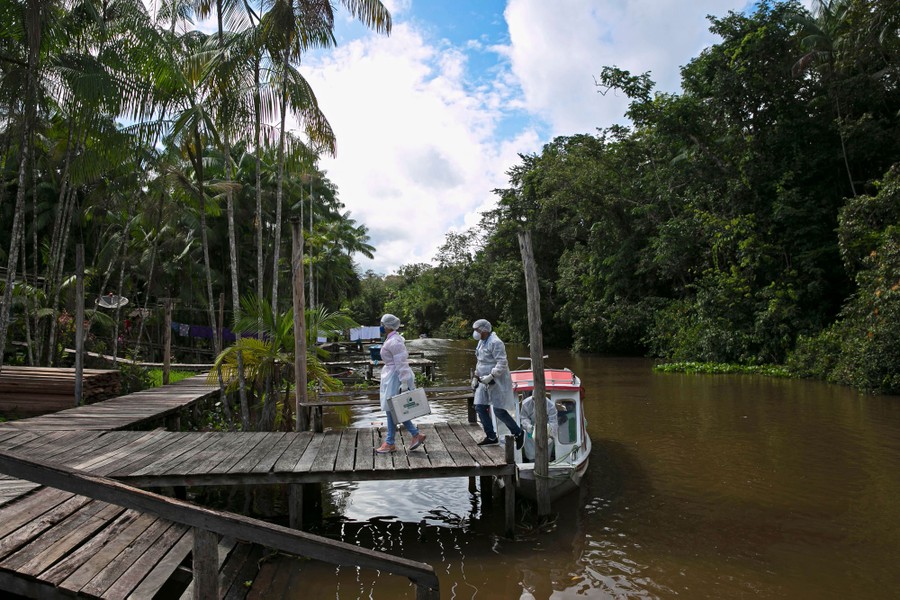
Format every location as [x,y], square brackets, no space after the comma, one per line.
[138,410]
[164,458]
[54,543]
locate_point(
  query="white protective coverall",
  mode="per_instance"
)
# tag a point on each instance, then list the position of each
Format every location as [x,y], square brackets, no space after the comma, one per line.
[395,368]
[528,421]
[491,356]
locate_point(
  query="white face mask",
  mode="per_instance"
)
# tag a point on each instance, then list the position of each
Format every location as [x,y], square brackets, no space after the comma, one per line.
[476,335]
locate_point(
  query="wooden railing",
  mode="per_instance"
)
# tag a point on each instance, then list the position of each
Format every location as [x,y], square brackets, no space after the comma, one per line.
[369,397]
[208,523]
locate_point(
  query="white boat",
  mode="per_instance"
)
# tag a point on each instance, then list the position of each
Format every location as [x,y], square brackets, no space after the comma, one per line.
[571,448]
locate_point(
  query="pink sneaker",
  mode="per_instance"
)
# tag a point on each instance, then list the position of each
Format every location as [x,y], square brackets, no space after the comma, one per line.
[386,448]
[417,441]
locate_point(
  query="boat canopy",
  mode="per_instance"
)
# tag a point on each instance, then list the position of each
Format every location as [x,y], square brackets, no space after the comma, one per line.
[554,380]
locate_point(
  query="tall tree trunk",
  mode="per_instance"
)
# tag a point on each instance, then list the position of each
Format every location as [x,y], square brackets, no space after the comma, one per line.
[232,241]
[279,191]
[33,18]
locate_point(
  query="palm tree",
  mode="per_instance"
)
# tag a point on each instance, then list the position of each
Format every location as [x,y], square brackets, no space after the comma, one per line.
[269,355]
[290,28]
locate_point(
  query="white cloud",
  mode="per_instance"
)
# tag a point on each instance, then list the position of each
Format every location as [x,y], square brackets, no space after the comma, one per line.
[416,154]
[424,136]
[557,49]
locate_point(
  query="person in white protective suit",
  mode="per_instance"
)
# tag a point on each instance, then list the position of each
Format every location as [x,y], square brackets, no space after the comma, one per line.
[493,384]
[396,377]
[528,421]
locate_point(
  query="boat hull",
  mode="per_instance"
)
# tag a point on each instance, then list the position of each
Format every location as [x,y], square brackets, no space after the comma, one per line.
[563,479]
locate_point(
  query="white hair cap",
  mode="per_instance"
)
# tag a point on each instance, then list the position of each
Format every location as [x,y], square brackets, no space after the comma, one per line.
[482,325]
[390,322]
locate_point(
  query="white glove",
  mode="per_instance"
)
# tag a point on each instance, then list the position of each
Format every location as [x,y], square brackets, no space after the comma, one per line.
[529,428]
[487,379]
[403,387]
[474,383]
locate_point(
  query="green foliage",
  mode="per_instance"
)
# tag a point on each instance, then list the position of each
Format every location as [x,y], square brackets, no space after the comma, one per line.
[155,376]
[723,368]
[862,348]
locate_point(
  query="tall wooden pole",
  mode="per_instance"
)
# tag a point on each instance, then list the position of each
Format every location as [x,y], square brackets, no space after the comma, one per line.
[301,412]
[167,342]
[79,322]
[536,340]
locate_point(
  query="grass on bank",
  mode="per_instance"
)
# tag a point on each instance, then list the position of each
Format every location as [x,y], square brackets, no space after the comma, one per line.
[155,376]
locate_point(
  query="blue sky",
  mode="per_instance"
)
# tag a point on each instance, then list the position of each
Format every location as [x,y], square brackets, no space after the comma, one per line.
[429,119]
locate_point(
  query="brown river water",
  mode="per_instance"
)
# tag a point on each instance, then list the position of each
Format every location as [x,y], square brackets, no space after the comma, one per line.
[699,486]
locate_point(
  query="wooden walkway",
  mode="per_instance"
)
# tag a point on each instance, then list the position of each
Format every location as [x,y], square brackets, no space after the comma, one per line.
[163,458]
[137,410]
[56,544]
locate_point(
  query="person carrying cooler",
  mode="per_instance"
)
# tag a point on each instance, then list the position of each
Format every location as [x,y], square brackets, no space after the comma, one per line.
[396,377]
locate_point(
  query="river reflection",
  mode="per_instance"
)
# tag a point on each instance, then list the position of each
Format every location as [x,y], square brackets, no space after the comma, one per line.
[698,487]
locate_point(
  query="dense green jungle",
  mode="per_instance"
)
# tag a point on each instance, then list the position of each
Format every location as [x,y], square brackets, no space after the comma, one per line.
[752,219]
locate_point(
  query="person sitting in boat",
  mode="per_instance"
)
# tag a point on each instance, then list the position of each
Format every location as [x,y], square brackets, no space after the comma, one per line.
[528,420]
[493,384]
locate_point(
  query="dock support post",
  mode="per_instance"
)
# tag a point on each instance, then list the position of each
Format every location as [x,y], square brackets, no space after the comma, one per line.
[205,564]
[318,419]
[486,483]
[509,487]
[173,422]
[295,506]
[470,408]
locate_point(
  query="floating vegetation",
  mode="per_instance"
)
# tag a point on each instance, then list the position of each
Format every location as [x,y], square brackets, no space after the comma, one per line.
[712,368]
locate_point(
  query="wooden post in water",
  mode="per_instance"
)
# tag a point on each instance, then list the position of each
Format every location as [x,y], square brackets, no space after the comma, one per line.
[509,486]
[535,336]
[167,343]
[79,322]
[302,414]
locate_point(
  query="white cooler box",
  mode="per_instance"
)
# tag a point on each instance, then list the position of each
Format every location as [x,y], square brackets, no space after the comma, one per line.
[409,405]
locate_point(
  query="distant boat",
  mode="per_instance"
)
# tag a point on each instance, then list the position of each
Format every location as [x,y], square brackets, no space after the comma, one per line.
[571,448]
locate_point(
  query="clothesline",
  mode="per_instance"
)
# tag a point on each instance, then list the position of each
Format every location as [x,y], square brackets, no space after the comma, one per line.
[204,331]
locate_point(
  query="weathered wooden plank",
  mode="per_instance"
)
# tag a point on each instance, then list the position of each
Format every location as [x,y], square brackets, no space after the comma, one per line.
[146,455]
[245,463]
[12,443]
[242,566]
[469,436]
[34,528]
[104,559]
[455,449]
[177,453]
[249,443]
[365,450]
[211,455]
[126,558]
[268,461]
[309,454]
[434,446]
[41,553]
[164,568]
[346,452]
[326,456]
[29,508]
[101,465]
[107,443]
[291,455]
[61,570]
[144,565]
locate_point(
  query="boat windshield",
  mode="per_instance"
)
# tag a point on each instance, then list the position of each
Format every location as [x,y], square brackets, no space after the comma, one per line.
[568,422]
